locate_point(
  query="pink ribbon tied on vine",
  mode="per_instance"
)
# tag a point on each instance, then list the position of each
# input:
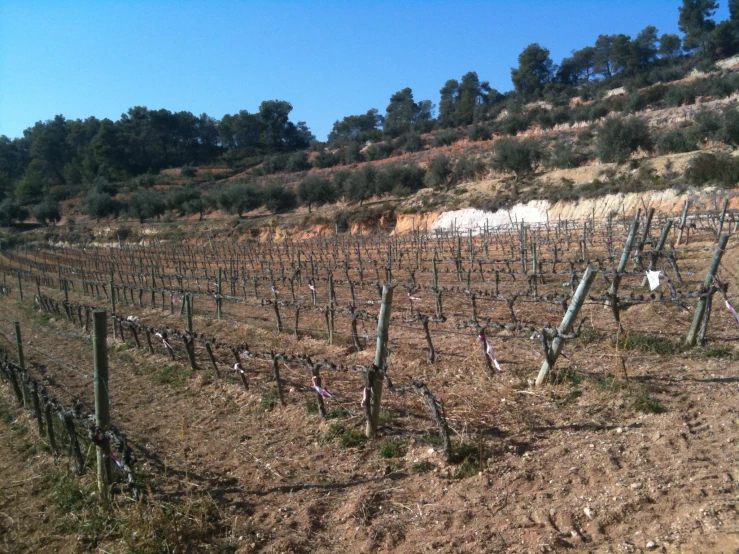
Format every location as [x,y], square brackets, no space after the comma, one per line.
[116,460]
[311,287]
[275,291]
[239,368]
[732,310]
[173,299]
[365,397]
[413,297]
[489,352]
[319,389]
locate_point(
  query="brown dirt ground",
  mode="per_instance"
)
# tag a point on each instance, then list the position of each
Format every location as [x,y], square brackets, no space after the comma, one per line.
[572,466]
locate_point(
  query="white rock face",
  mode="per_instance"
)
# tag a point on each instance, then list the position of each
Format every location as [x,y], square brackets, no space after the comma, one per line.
[668,202]
[476,220]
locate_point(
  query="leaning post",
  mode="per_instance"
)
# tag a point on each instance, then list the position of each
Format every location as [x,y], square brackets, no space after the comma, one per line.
[624,260]
[567,322]
[700,309]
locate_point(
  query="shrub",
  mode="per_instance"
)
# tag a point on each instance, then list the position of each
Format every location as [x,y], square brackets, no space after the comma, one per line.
[730,131]
[47,212]
[469,169]
[399,179]
[679,96]
[479,132]
[145,181]
[101,184]
[177,198]
[316,189]
[517,156]
[188,171]
[585,137]
[446,138]
[674,141]
[339,178]
[145,204]
[379,151]
[619,137]
[62,192]
[352,153]
[275,164]
[297,162]
[512,124]
[560,115]
[636,102]
[360,185]
[326,159]
[11,211]
[713,168]
[707,124]
[278,199]
[411,142]
[597,111]
[439,173]
[100,204]
[655,94]
[564,156]
[239,197]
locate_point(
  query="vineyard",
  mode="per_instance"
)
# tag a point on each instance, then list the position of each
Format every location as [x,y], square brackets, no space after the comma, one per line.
[532,387]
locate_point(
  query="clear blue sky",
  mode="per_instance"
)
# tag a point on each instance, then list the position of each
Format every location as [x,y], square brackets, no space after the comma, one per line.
[329,59]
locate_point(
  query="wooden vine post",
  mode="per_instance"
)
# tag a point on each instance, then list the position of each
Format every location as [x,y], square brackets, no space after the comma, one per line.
[112,300]
[102,403]
[683,221]
[218,295]
[21,364]
[376,373]
[613,291]
[700,310]
[567,322]
[153,289]
[658,249]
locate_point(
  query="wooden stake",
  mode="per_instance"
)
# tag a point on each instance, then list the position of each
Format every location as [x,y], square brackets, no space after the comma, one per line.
[376,374]
[102,403]
[567,322]
[700,310]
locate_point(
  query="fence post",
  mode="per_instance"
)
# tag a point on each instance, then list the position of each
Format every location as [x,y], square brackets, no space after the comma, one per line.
[188,311]
[153,289]
[22,364]
[50,426]
[644,237]
[102,402]
[112,301]
[377,372]
[20,285]
[700,309]
[567,321]
[658,249]
[276,370]
[683,221]
[37,408]
[624,259]
[721,221]
[218,298]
